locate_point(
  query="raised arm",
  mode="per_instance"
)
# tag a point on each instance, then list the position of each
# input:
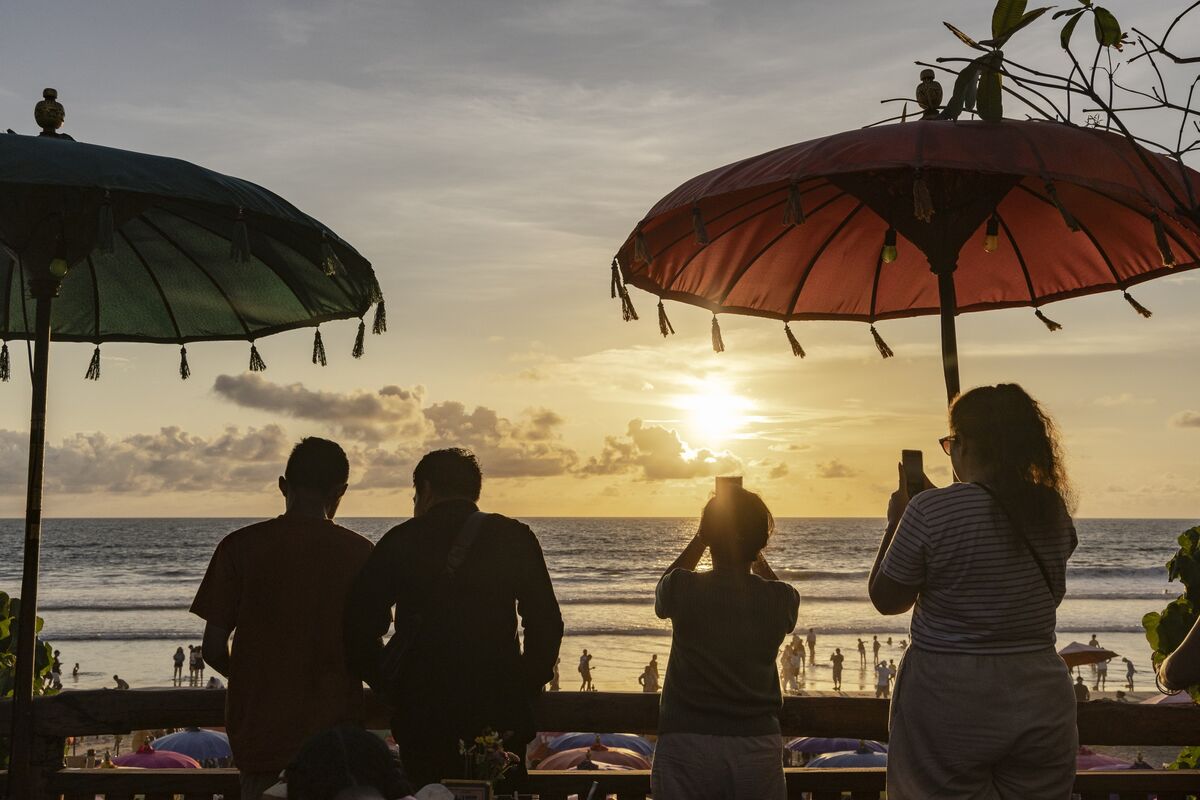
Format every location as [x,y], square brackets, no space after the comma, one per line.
[690,557]
[888,595]
[541,618]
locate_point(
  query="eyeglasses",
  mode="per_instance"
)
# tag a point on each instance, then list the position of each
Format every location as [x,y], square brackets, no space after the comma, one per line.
[947,442]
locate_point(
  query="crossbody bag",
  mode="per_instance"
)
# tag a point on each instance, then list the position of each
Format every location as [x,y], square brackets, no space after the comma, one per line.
[1022,535]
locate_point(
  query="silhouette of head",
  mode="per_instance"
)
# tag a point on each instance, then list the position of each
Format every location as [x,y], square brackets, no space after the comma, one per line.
[736,526]
[345,762]
[451,474]
[317,471]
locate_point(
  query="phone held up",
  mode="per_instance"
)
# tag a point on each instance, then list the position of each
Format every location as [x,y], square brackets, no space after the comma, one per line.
[914,471]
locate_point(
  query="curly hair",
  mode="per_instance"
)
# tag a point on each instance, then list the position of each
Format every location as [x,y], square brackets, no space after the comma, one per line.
[1019,444]
[737,526]
[341,757]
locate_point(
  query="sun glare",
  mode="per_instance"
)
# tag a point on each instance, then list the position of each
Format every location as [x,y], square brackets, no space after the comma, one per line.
[715,412]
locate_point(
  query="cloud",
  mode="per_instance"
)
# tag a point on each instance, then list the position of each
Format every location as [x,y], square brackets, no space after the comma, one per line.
[1185,419]
[1123,399]
[835,469]
[660,455]
[778,471]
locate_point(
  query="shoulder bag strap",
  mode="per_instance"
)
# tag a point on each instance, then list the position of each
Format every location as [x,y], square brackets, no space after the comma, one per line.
[466,536]
[1020,531]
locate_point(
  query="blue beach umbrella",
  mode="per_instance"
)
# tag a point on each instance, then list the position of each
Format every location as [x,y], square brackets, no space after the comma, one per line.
[861,757]
[630,741]
[816,745]
[199,744]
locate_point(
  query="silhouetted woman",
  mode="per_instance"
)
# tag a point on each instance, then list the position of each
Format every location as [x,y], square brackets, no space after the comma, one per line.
[719,717]
[983,705]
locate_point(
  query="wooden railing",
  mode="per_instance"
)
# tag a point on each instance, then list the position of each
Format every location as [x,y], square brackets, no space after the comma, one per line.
[112,712]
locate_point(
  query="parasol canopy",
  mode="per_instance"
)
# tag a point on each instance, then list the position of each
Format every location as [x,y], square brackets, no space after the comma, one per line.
[861,757]
[146,757]
[929,217]
[629,741]
[819,744]
[196,743]
[1077,654]
[1174,699]
[598,754]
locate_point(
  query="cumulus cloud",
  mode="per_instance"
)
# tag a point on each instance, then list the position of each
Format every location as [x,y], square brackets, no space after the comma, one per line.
[778,471]
[659,454]
[1185,419]
[835,469]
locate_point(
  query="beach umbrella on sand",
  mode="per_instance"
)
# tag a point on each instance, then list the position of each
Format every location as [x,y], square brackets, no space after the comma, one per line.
[861,757]
[197,743]
[816,745]
[630,741]
[919,218]
[99,244]
[147,757]
[1076,654]
[599,754]
[1176,699]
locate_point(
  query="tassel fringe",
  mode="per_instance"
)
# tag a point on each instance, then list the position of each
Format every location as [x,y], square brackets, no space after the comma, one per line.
[718,342]
[185,371]
[376,292]
[379,323]
[793,214]
[239,245]
[360,340]
[641,250]
[1050,324]
[1163,242]
[881,345]
[1067,216]
[614,284]
[797,350]
[93,370]
[698,226]
[256,362]
[331,265]
[5,365]
[1138,307]
[104,226]
[922,200]
[318,349]
[628,312]
[664,324]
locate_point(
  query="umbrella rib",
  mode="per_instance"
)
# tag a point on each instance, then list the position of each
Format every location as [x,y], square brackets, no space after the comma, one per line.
[228,300]
[875,283]
[95,296]
[1139,212]
[12,264]
[813,262]
[1087,232]
[150,274]
[1020,257]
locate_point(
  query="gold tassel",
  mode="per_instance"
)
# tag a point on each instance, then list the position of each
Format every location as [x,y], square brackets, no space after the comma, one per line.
[664,324]
[331,265]
[185,371]
[797,350]
[318,356]
[1067,216]
[379,324]
[881,345]
[104,226]
[1050,324]
[1138,307]
[718,342]
[93,370]
[614,284]
[793,213]
[239,245]
[1164,243]
[641,250]
[698,226]
[256,362]
[922,201]
[628,312]
[5,365]
[359,340]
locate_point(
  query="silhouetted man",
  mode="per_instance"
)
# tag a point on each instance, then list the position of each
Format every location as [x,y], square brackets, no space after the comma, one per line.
[282,585]
[454,624]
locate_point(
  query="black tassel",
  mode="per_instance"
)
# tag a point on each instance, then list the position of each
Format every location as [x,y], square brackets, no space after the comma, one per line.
[793,213]
[318,349]
[797,350]
[239,245]
[1050,324]
[881,345]
[1164,243]
[379,324]
[330,263]
[185,371]
[641,250]
[718,342]
[256,362]
[922,200]
[615,282]
[1138,307]
[5,366]
[104,226]
[93,370]
[1067,216]
[376,295]
[359,340]
[698,226]
[664,324]
[628,312]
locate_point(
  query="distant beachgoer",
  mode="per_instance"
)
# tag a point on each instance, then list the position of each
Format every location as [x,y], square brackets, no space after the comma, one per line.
[1129,673]
[648,680]
[654,665]
[121,682]
[1082,695]
[585,672]
[875,645]
[837,658]
[1101,675]
[193,665]
[719,733]
[862,652]
[883,679]
[1181,668]
[889,641]
[892,671]
[56,663]
[554,681]
[785,667]
[179,659]
[75,671]
[199,651]
[214,683]
[279,587]
[797,664]
[903,646]
[1121,697]
[812,646]
[1093,642]
[985,704]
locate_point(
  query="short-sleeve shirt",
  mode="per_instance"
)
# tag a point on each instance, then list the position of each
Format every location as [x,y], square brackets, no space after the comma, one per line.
[980,589]
[281,585]
[726,631]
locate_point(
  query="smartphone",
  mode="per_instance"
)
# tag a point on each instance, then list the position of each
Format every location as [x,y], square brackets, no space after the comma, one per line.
[914,471]
[725,484]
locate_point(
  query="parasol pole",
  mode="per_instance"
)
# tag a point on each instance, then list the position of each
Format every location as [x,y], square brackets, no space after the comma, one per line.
[948,305]
[44,289]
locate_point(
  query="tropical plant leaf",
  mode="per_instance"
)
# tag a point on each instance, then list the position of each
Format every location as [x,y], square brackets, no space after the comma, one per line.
[1029,18]
[989,102]
[1068,29]
[1108,30]
[1006,14]
[1068,11]
[967,40]
[967,82]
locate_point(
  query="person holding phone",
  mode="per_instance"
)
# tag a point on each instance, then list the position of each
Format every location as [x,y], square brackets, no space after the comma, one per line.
[719,736]
[982,563]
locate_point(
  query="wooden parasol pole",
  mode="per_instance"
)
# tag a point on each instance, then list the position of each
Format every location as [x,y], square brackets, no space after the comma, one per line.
[948,304]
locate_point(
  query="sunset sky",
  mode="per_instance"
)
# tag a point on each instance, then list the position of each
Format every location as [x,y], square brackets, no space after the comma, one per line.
[489,158]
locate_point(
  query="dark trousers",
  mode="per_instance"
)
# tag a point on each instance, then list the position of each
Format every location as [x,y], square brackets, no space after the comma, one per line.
[433,756]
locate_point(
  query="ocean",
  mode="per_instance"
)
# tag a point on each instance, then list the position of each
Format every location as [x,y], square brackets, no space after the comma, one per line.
[115,592]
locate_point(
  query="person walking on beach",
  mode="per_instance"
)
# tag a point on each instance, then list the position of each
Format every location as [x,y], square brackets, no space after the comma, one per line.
[1129,673]
[812,646]
[455,622]
[654,665]
[1082,695]
[837,658]
[1101,675]
[883,680]
[875,645]
[179,658]
[585,672]
[862,652]
[281,585]
[984,561]
[718,723]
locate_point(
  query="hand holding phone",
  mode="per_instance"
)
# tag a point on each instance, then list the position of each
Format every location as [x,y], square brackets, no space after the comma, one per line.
[913,465]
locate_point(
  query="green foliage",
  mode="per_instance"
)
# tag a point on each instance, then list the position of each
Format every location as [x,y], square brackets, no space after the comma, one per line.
[1188,758]
[1108,30]
[10,612]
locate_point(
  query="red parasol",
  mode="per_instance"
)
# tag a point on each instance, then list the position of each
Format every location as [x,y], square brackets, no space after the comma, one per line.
[930,217]
[1076,654]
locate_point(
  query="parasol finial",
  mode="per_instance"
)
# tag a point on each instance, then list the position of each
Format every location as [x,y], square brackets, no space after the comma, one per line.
[50,114]
[929,95]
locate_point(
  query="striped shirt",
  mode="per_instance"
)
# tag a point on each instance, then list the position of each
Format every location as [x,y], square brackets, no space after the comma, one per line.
[980,589]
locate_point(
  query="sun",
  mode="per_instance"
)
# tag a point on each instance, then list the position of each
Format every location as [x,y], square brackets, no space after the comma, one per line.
[715,411]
